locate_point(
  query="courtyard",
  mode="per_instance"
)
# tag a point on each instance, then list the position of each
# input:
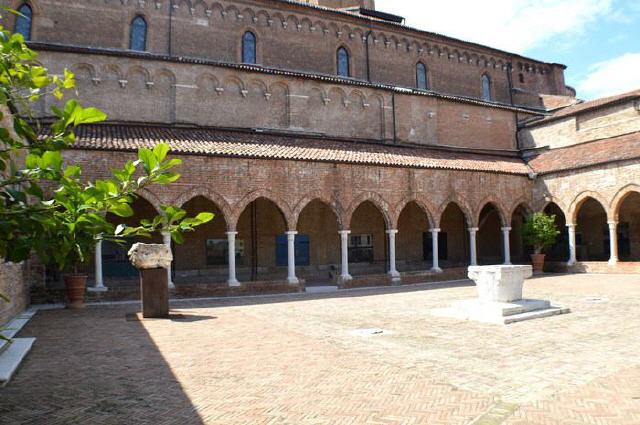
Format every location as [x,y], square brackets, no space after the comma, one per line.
[364,356]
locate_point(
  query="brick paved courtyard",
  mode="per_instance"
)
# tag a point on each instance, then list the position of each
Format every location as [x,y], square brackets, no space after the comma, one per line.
[300,359]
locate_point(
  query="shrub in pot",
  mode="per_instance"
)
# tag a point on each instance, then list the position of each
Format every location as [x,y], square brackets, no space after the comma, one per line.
[540,232]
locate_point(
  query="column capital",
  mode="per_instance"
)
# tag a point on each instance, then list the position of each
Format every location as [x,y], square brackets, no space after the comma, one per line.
[291,232]
[392,231]
[435,230]
[231,233]
[571,225]
[612,223]
[506,229]
[473,229]
[344,232]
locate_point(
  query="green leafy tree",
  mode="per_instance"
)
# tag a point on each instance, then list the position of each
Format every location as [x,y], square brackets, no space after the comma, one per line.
[540,231]
[46,207]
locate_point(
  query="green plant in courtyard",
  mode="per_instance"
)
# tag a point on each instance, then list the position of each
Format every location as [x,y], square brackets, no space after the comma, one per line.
[540,231]
[46,206]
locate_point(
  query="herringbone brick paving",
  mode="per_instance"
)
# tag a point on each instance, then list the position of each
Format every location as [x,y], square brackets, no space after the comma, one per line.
[300,361]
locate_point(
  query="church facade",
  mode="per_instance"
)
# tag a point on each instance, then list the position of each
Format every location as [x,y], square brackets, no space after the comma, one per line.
[335,144]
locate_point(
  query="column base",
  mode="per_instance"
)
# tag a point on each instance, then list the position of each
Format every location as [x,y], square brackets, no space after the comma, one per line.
[571,263]
[435,270]
[233,283]
[172,285]
[613,262]
[97,289]
[293,280]
[342,279]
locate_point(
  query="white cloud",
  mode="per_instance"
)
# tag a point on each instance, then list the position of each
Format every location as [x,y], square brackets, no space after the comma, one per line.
[512,25]
[614,76]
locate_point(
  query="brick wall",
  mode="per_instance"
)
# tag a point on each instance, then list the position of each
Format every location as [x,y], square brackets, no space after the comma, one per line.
[314,35]
[13,284]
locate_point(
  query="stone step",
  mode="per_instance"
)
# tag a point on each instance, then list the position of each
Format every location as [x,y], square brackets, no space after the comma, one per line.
[12,356]
[538,314]
[500,309]
[14,326]
[320,289]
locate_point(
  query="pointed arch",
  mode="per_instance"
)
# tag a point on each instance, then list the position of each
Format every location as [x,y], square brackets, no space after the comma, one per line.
[496,205]
[138,34]
[620,197]
[377,200]
[580,199]
[421,202]
[207,193]
[317,196]
[24,21]
[461,203]
[239,207]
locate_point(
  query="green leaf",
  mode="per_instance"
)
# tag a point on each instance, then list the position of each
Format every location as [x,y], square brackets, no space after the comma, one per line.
[160,151]
[148,159]
[205,217]
[121,210]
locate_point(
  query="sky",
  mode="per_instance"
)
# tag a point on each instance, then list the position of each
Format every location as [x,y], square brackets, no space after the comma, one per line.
[598,40]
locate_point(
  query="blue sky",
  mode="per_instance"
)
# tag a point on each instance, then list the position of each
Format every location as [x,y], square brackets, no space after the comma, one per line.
[598,40]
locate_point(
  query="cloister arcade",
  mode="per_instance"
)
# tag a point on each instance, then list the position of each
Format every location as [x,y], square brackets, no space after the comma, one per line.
[312,242]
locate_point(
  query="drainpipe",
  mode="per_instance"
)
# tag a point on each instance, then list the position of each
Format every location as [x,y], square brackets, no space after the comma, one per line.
[170,26]
[515,115]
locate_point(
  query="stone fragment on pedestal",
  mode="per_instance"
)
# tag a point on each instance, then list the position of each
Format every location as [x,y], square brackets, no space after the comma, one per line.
[153,261]
[500,297]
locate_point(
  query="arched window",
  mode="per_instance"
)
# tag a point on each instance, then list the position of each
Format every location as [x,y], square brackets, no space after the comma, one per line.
[343,62]
[138,40]
[421,76]
[486,87]
[248,47]
[23,21]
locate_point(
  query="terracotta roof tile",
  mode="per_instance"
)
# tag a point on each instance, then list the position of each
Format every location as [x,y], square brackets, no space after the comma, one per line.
[585,106]
[226,143]
[618,148]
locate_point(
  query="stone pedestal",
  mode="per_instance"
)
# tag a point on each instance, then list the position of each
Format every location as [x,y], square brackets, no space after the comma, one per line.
[153,261]
[500,297]
[154,292]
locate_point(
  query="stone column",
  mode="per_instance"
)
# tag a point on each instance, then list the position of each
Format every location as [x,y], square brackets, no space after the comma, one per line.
[613,243]
[231,244]
[393,272]
[507,245]
[434,248]
[98,270]
[572,244]
[166,238]
[291,257]
[344,247]
[472,245]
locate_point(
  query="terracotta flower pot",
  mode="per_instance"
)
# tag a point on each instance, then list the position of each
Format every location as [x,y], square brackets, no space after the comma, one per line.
[75,286]
[538,262]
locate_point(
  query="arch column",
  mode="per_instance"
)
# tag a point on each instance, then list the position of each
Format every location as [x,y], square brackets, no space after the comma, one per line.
[572,244]
[166,239]
[99,287]
[473,231]
[231,242]
[435,232]
[613,243]
[344,248]
[291,257]
[393,272]
[507,245]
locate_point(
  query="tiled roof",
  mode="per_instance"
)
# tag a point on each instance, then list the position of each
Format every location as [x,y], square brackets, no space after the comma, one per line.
[585,106]
[583,155]
[54,47]
[227,143]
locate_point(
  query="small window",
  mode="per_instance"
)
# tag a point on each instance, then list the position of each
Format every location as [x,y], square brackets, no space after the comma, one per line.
[486,87]
[343,62]
[249,48]
[23,21]
[521,78]
[138,39]
[421,76]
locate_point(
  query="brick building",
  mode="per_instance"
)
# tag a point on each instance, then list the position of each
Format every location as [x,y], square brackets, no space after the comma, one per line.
[333,142]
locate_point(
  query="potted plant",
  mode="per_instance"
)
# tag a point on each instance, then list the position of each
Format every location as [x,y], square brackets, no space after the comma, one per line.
[46,207]
[78,212]
[540,232]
